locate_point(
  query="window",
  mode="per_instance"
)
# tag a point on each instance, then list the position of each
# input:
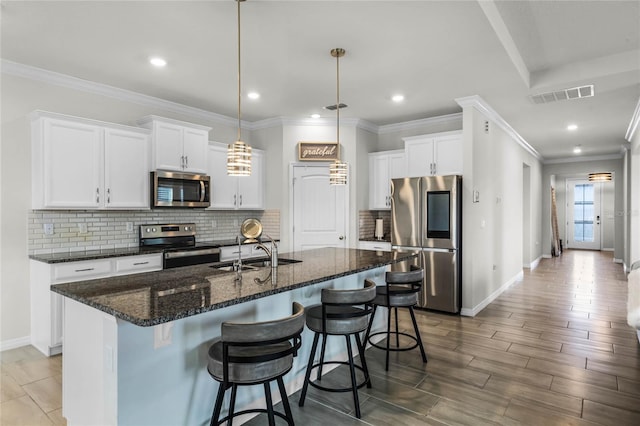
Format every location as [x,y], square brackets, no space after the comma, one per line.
[583,213]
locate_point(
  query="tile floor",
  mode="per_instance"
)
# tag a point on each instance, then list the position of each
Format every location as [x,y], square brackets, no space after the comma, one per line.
[554,349]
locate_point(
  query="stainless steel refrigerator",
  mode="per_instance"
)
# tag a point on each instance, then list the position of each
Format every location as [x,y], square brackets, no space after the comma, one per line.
[426,215]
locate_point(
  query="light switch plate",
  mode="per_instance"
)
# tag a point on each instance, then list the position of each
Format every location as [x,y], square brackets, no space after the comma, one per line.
[82,228]
[47,228]
[162,335]
[129,226]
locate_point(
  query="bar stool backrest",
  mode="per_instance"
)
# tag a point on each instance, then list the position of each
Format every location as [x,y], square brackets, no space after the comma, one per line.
[347,310]
[261,334]
[411,281]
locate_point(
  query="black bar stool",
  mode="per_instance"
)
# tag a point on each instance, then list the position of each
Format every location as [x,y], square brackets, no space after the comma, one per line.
[252,354]
[342,313]
[400,291]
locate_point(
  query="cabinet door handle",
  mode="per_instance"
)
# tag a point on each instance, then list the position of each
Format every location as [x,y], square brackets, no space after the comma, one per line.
[186,161]
[235,197]
[97,195]
[182,161]
[341,237]
[240,199]
[84,270]
[108,195]
[140,263]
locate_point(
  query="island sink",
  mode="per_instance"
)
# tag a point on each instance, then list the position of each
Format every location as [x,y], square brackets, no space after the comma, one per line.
[253,264]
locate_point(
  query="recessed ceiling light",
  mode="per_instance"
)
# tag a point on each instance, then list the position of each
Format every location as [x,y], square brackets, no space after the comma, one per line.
[157,62]
[253,95]
[577,149]
[572,127]
[315,115]
[397,98]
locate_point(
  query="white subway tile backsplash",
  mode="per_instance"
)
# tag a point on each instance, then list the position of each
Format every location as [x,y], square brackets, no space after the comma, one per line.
[107,229]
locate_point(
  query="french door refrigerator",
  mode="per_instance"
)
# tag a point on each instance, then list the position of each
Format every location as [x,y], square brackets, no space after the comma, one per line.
[426,217]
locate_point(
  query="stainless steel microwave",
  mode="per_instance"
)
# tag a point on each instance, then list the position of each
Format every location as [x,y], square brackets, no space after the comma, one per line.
[176,189]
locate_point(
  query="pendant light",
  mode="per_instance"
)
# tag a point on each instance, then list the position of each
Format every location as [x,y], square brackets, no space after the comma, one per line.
[600,177]
[239,153]
[338,169]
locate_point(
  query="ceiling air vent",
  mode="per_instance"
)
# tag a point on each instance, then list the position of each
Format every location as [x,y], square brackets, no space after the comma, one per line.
[564,94]
[333,107]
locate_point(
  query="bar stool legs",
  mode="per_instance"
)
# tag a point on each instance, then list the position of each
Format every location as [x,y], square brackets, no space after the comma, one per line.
[352,370]
[389,332]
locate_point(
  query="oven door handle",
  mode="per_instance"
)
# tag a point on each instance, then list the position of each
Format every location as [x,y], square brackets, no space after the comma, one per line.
[191,253]
[202,191]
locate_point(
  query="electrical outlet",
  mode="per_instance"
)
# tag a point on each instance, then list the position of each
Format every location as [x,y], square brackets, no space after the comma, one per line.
[82,228]
[129,226]
[235,223]
[214,224]
[162,335]
[48,228]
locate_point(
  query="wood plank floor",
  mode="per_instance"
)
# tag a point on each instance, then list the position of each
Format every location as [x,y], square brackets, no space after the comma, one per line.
[554,349]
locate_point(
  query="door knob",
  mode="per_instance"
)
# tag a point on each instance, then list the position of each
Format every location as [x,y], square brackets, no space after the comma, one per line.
[341,237]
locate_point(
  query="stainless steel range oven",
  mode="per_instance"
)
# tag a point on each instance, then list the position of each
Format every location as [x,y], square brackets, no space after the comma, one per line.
[178,243]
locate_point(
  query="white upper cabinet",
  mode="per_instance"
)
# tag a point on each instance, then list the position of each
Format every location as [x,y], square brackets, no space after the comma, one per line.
[126,173]
[177,145]
[236,192]
[384,166]
[87,164]
[434,154]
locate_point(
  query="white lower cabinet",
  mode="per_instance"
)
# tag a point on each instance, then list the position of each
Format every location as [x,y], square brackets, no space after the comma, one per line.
[47,306]
[374,245]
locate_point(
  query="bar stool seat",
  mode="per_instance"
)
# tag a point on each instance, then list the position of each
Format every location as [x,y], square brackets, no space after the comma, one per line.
[341,313]
[252,354]
[400,291]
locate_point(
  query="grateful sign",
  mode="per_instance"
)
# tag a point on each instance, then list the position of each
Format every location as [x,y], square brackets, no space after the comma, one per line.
[317,151]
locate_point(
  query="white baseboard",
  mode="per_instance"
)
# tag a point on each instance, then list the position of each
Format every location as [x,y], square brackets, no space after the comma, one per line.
[15,343]
[606,249]
[618,261]
[472,312]
[547,256]
[533,265]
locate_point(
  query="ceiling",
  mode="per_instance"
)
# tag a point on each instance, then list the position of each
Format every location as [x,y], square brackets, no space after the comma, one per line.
[431,51]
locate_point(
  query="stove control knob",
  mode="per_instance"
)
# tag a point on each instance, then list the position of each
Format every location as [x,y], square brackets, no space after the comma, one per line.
[153,229]
[187,228]
[148,230]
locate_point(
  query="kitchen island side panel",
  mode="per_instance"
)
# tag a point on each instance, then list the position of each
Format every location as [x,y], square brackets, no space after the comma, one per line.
[135,383]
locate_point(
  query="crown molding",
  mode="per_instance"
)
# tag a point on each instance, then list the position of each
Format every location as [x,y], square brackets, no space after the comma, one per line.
[478,103]
[583,159]
[633,124]
[407,125]
[63,80]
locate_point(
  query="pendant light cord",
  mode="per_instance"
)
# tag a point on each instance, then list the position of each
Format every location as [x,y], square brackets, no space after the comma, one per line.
[239,82]
[338,102]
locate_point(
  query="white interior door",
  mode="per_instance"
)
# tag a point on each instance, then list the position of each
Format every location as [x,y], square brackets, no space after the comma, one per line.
[583,214]
[319,209]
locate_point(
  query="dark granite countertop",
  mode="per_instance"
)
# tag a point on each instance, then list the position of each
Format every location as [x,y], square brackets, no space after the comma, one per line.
[142,299]
[77,256]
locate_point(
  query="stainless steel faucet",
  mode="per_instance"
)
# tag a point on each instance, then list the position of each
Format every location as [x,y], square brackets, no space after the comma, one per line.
[237,265]
[273,253]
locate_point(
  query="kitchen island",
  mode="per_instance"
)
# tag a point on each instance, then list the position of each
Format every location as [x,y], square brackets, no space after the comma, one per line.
[135,347]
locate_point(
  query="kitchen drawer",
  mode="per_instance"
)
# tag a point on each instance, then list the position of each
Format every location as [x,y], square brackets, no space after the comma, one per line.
[375,245]
[85,270]
[136,264]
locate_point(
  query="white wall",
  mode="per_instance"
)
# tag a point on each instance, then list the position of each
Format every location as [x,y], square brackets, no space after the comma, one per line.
[634,201]
[493,227]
